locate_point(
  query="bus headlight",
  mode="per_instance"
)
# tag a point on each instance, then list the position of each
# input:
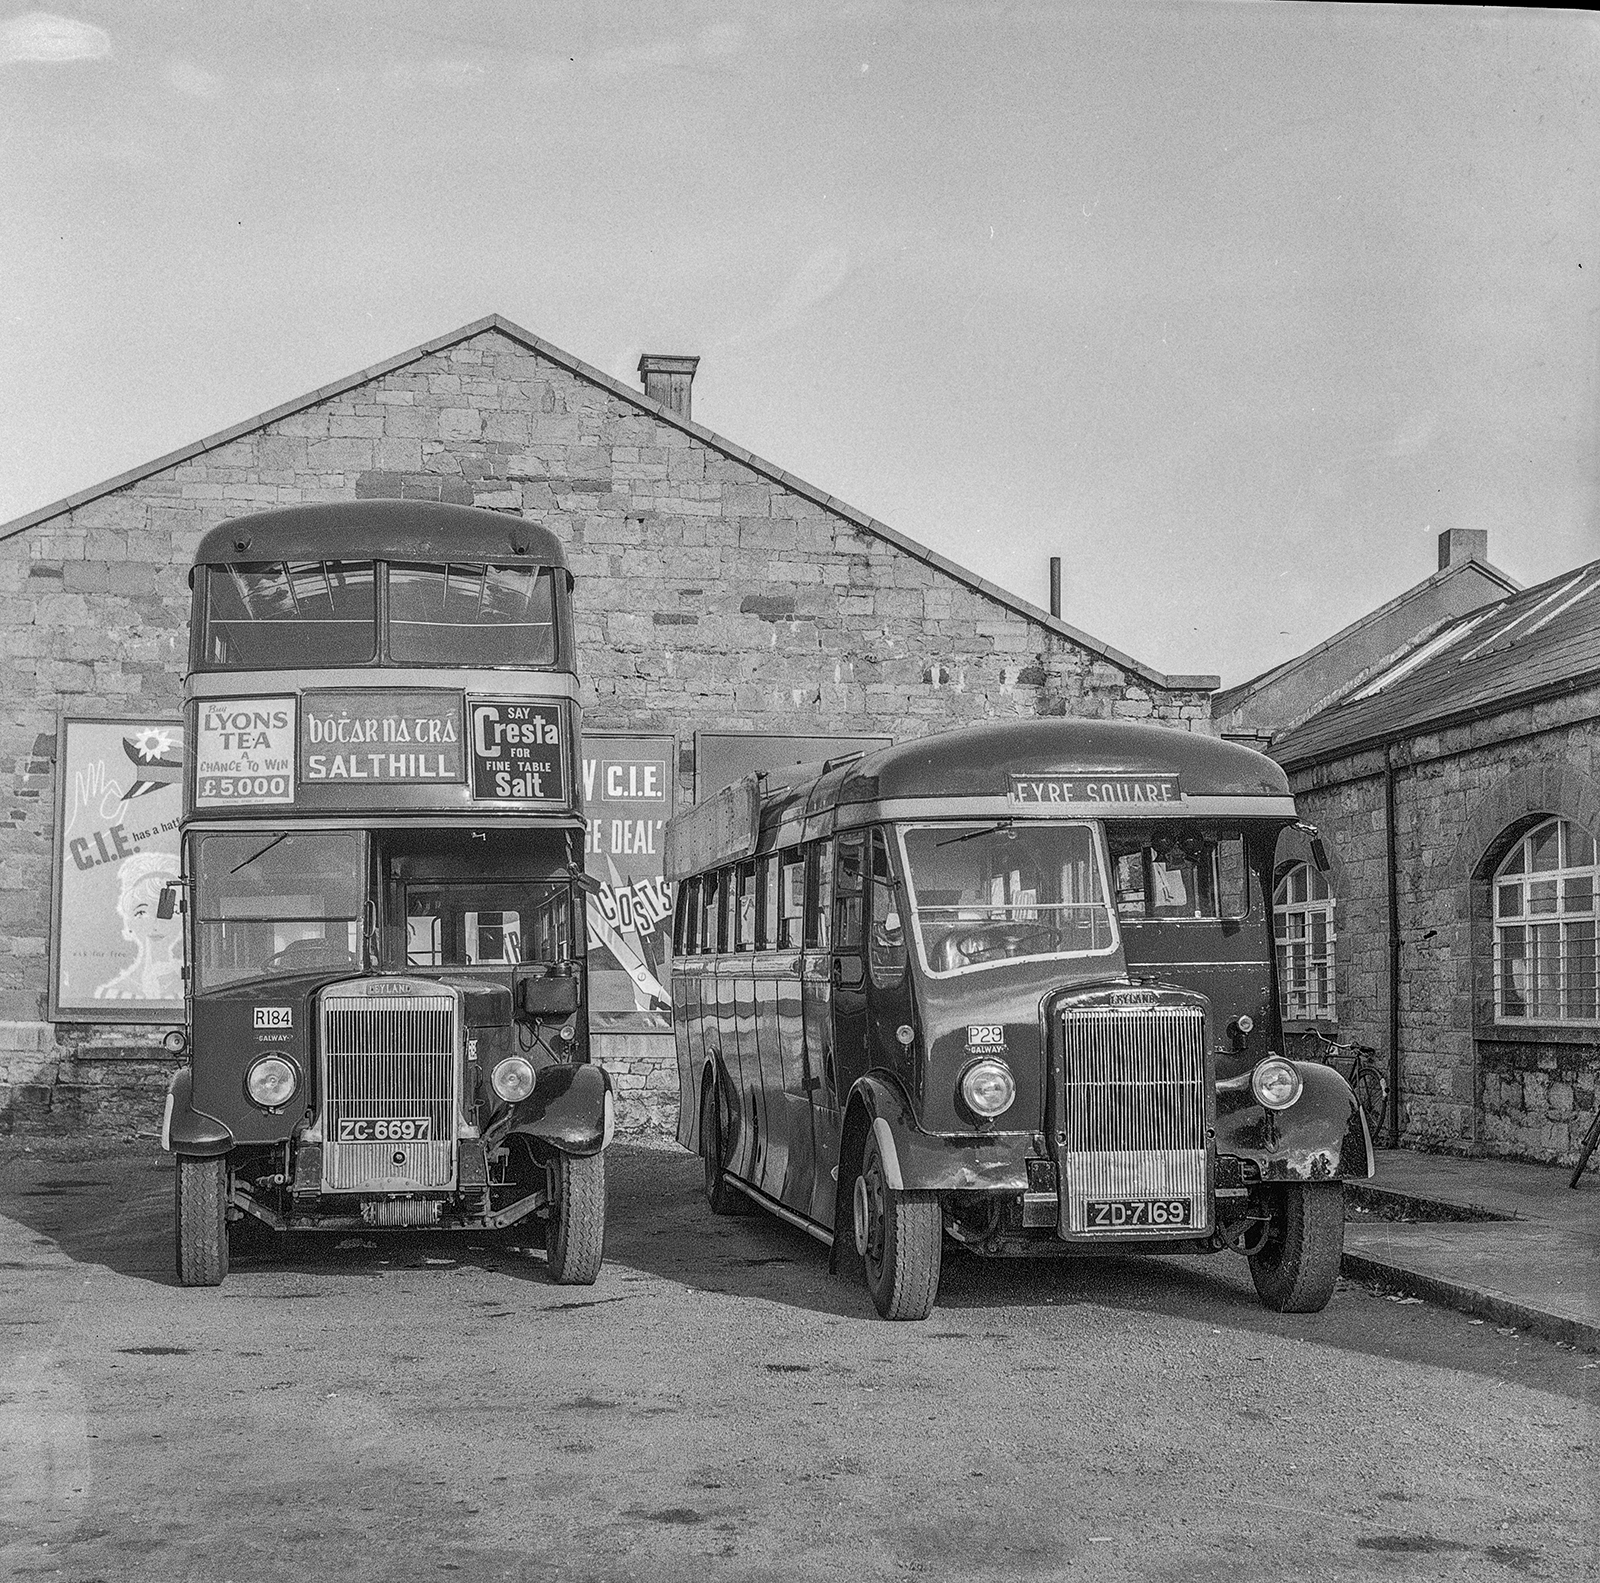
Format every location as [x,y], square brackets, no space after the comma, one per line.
[1276,1083]
[512,1079]
[987,1088]
[271,1082]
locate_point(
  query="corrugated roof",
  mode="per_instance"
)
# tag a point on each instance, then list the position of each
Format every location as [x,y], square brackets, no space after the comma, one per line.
[1542,640]
[574,365]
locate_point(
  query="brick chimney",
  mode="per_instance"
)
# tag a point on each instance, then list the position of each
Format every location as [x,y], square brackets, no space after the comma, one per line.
[670,381]
[1457,546]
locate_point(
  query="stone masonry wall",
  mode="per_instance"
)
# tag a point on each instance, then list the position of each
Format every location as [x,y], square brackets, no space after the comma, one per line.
[1461,796]
[712,594]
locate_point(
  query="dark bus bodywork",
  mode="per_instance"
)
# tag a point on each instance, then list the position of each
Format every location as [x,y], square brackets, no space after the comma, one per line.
[382,854]
[1014,986]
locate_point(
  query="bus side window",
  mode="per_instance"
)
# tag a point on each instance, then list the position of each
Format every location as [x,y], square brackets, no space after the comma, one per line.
[819,895]
[729,896]
[848,897]
[708,914]
[686,934]
[1233,878]
[744,921]
[767,899]
[886,949]
[792,903]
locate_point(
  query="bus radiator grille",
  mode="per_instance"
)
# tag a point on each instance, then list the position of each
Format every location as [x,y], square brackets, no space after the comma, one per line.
[389,1059]
[1135,1084]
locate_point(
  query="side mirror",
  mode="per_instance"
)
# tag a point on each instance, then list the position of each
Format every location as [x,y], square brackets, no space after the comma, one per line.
[555,996]
[167,903]
[1319,849]
[587,883]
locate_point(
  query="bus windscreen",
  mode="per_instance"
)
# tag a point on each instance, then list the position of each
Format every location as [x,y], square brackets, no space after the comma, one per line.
[988,893]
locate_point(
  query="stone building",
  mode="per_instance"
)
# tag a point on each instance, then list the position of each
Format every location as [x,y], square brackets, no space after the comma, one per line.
[716,593]
[1458,789]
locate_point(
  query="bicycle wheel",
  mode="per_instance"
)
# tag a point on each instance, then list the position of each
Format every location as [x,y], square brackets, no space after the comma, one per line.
[1372,1096]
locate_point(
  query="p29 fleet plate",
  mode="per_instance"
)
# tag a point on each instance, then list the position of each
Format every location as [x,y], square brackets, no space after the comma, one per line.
[1136,1214]
[385,1129]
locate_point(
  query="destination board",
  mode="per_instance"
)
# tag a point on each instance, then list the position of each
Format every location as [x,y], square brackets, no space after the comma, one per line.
[381,737]
[1097,790]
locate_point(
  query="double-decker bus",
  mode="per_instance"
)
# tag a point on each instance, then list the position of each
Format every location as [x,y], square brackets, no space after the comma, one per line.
[1011,987]
[383,889]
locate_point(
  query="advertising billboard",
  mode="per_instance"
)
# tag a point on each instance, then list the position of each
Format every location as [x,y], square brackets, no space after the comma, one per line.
[627,799]
[119,794]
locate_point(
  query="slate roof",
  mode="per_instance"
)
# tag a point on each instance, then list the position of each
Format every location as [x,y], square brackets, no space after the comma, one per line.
[1229,699]
[1537,643]
[594,376]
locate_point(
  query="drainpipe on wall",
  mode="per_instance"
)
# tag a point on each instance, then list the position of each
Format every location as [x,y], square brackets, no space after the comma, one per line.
[1391,856]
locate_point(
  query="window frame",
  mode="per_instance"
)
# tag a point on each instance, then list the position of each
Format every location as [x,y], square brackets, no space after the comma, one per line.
[1325,1010]
[1558,918]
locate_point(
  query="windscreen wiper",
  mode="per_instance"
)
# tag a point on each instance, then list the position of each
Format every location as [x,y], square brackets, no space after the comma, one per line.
[972,835]
[259,853]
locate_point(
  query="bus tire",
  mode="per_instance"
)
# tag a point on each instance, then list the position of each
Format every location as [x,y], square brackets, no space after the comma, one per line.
[723,1197]
[575,1238]
[900,1237]
[200,1219]
[1296,1269]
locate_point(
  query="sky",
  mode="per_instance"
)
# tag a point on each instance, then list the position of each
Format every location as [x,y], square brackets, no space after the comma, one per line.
[1232,306]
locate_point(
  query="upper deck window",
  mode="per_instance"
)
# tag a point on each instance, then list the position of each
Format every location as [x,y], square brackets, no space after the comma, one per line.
[983,894]
[274,615]
[471,615]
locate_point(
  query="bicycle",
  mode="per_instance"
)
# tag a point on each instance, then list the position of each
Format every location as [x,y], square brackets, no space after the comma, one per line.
[1358,1065]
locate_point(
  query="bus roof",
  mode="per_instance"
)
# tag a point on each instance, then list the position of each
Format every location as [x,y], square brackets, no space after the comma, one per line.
[1002,770]
[364,530]
[984,760]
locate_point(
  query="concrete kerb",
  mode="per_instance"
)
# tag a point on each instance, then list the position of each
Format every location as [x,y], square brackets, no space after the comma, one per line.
[1477,1301]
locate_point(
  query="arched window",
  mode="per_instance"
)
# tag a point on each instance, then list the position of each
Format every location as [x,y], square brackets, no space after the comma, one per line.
[1545,967]
[1302,912]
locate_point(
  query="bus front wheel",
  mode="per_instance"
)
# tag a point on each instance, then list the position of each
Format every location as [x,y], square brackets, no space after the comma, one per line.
[1297,1266]
[200,1219]
[900,1237]
[723,1197]
[575,1238]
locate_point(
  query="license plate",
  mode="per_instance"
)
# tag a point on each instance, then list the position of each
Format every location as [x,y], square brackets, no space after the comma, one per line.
[385,1129]
[1136,1214]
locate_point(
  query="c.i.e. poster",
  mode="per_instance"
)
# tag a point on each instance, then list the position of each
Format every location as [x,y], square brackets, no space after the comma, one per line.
[119,796]
[627,799]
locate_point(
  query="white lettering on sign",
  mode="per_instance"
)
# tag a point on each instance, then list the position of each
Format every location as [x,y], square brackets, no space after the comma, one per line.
[1068,790]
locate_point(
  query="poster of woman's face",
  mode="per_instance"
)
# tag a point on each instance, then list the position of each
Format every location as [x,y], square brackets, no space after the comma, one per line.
[120,793]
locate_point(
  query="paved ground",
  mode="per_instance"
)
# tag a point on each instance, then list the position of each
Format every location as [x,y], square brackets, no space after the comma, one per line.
[1528,1255]
[720,1407]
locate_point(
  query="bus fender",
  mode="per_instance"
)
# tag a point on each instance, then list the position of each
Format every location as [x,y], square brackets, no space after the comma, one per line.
[185,1130]
[571,1108]
[1322,1137]
[926,1162]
